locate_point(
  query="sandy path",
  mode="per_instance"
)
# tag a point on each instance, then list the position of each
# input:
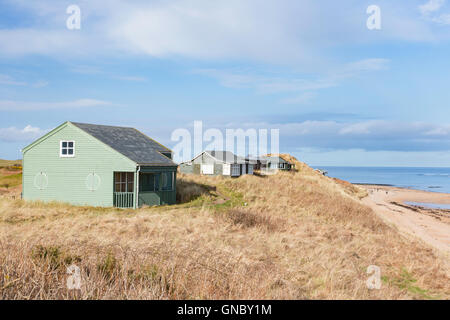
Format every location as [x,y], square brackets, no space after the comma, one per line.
[430,225]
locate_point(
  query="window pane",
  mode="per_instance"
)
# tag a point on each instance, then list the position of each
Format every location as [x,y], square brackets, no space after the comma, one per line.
[156,182]
[64,144]
[130,187]
[70,151]
[147,182]
[123,187]
[167,181]
[64,151]
[116,177]
[117,187]
[130,177]
[70,144]
[164,179]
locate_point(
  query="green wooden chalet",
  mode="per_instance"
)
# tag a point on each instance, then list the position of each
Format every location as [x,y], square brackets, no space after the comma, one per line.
[97,165]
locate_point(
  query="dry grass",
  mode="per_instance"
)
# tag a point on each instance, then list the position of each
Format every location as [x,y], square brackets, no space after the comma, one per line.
[10,180]
[287,236]
[10,163]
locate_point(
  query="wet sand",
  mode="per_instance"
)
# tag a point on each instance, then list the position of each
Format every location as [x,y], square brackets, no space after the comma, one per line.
[430,225]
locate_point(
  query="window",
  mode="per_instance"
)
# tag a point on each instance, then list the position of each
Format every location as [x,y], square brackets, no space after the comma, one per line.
[67,149]
[123,182]
[167,154]
[148,182]
[207,168]
[167,181]
[235,170]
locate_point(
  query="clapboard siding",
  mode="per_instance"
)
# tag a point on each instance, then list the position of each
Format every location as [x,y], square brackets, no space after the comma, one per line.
[207,159]
[67,176]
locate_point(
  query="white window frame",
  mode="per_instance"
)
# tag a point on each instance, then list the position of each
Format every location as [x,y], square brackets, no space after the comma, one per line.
[226,169]
[61,155]
[207,168]
[235,170]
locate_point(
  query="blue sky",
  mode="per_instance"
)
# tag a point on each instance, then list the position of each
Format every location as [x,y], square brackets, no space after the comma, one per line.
[339,93]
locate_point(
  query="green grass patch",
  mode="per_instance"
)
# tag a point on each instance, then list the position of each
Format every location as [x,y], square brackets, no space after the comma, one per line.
[10,181]
[407,282]
[233,198]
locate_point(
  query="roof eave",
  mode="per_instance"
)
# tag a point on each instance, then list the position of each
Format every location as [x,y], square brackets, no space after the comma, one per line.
[157,164]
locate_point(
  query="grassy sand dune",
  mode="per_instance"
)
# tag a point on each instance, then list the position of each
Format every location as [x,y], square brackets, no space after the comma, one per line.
[287,236]
[10,163]
[10,176]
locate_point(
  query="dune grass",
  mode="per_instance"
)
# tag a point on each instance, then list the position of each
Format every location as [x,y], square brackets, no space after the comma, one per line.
[10,163]
[10,180]
[287,236]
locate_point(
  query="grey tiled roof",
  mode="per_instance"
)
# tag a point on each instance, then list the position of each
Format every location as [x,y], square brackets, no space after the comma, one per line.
[229,157]
[130,142]
[273,159]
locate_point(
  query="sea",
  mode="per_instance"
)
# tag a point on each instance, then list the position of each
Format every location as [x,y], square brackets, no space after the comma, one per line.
[428,179]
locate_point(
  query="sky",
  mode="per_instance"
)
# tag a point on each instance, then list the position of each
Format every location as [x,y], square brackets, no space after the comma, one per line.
[340,93]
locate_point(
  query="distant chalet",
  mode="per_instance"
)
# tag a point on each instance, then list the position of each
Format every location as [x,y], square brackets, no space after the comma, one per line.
[223,163]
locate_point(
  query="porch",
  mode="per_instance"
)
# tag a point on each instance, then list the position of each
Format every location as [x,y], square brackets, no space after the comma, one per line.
[155,186]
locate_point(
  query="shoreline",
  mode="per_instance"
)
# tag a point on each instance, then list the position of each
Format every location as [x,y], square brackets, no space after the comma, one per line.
[431,225]
[432,189]
[411,195]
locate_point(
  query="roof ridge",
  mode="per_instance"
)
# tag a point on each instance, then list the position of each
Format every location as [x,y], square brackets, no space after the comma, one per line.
[100,125]
[130,142]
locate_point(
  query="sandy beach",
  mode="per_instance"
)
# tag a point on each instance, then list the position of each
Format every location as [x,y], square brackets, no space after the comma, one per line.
[430,225]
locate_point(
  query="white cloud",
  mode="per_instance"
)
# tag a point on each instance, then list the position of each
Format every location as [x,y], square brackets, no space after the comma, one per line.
[443,19]
[303,98]
[28,133]
[130,78]
[374,64]
[8,105]
[95,70]
[306,86]
[83,69]
[439,131]
[358,128]
[430,11]
[287,32]
[371,135]
[40,84]
[8,80]
[267,84]
[431,6]
[59,42]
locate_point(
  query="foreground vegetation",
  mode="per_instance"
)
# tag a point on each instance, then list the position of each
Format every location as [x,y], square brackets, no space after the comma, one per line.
[288,236]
